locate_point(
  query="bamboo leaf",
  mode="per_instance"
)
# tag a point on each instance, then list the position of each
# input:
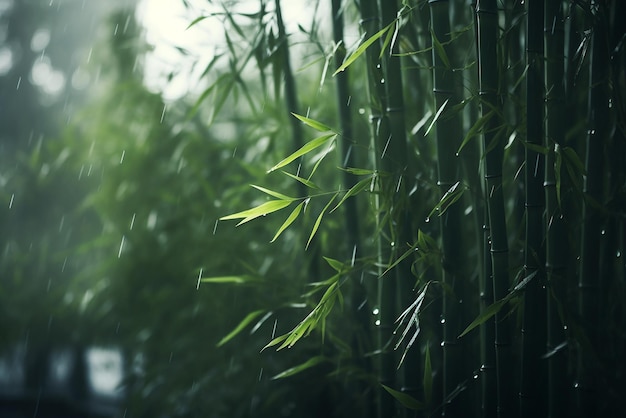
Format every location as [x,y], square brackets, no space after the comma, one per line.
[273,193]
[275,341]
[358,171]
[196,21]
[476,128]
[306,182]
[406,400]
[428,377]
[292,217]
[244,323]
[319,126]
[312,362]
[318,221]
[453,194]
[261,210]
[439,112]
[308,147]
[361,185]
[361,49]
[228,279]
[335,264]
[440,50]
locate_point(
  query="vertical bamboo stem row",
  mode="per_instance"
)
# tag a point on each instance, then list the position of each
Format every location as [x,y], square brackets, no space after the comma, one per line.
[588,283]
[556,239]
[487,22]
[532,395]
[448,137]
[370,24]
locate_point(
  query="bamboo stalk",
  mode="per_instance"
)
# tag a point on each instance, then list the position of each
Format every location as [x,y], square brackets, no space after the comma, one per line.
[532,393]
[487,20]
[557,245]
[588,282]
[380,131]
[448,137]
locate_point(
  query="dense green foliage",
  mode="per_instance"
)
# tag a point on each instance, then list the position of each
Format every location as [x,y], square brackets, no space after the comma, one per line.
[435,223]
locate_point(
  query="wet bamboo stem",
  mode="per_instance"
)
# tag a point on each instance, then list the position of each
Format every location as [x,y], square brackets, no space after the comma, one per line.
[532,393]
[588,283]
[489,79]
[370,24]
[448,137]
[556,239]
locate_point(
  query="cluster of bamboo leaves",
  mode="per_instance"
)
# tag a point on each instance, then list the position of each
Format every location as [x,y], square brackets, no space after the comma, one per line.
[502,121]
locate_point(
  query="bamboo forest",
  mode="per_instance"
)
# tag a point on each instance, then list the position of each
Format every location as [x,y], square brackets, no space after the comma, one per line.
[334,208]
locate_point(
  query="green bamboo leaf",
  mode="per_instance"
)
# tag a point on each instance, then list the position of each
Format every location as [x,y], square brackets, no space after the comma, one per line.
[557,172]
[359,171]
[406,254]
[489,312]
[196,21]
[244,323]
[318,221]
[361,49]
[428,377]
[335,264]
[292,217]
[313,123]
[312,362]
[261,210]
[440,50]
[406,400]
[453,194]
[439,112]
[228,279]
[273,193]
[361,185]
[306,182]
[536,147]
[476,128]
[275,341]
[391,35]
[308,147]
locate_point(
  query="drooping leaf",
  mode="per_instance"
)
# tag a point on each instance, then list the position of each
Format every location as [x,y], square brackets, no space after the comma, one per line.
[319,126]
[437,115]
[306,148]
[476,129]
[312,362]
[306,182]
[440,50]
[453,194]
[406,400]
[292,217]
[273,193]
[361,185]
[318,221]
[335,264]
[196,21]
[244,323]
[261,210]
[361,49]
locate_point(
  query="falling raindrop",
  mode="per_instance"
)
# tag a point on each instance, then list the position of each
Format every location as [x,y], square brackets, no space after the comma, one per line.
[163,113]
[132,222]
[119,253]
[260,373]
[353,256]
[11,201]
[19,81]
[122,157]
[171,355]
[215,226]
[63,266]
[199,278]
[274,328]
[117,328]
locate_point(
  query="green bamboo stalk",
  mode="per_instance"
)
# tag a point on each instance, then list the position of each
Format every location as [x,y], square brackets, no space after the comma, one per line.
[489,79]
[448,138]
[557,244]
[380,131]
[351,213]
[532,393]
[588,282]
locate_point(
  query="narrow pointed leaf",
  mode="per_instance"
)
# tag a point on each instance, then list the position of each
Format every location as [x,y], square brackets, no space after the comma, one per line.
[439,112]
[228,279]
[306,182]
[453,194]
[273,193]
[428,377]
[361,49]
[318,221]
[308,147]
[313,123]
[312,362]
[292,217]
[361,185]
[261,210]
[406,400]
[244,323]
[335,264]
